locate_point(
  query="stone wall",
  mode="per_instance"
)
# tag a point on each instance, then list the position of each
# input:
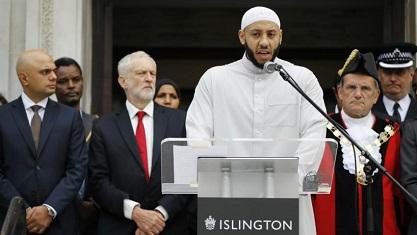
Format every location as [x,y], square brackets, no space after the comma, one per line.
[61,27]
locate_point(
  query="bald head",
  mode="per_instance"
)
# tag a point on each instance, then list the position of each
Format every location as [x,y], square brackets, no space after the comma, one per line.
[35,70]
[27,58]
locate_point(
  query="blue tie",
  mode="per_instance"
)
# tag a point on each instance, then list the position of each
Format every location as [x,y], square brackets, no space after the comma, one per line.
[396,115]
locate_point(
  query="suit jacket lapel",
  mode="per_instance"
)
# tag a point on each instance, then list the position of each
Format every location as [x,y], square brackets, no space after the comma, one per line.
[126,131]
[412,110]
[48,122]
[379,108]
[22,123]
[87,122]
[159,129]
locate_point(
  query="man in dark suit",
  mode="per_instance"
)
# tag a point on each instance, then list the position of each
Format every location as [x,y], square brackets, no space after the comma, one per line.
[2,100]
[42,150]
[396,71]
[69,90]
[125,161]
[408,163]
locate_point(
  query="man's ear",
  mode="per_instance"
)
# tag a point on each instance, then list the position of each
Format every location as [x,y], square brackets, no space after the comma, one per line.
[339,91]
[376,96]
[412,71]
[23,78]
[122,81]
[282,36]
[241,35]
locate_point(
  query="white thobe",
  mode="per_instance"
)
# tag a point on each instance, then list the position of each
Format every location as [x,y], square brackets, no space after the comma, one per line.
[239,100]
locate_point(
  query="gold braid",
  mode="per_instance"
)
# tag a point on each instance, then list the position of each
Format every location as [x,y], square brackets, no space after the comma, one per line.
[352,56]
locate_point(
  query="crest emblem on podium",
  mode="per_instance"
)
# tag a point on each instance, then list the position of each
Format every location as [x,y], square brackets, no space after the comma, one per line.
[210,223]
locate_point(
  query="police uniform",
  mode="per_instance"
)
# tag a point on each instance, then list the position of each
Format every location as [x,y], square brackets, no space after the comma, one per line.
[396,56]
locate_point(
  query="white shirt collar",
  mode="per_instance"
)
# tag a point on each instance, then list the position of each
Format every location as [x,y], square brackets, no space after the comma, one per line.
[389,104]
[250,66]
[132,110]
[28,103]
[336,109]
[367,121]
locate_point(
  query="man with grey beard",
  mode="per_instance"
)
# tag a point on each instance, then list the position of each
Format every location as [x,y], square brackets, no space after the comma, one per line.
[125,164]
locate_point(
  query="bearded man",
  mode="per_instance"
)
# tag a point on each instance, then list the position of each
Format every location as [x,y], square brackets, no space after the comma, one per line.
[125,158]
[241,100]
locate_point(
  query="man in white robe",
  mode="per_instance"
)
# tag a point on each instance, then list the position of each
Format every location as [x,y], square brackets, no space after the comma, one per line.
[241,100]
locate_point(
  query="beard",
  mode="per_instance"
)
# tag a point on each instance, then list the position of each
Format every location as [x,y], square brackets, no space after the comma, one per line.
[72,102]
[251,56]
[146,95]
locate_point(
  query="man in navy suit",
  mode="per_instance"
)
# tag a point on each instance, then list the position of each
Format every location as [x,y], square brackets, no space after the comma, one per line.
[69,90]
[125,161]
[42,150]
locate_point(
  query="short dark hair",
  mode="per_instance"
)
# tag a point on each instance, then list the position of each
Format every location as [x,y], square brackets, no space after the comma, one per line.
[66,61]
[2,99]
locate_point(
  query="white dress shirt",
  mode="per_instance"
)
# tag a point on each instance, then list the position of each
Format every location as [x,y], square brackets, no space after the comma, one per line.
[28,103]
[147,120]
[239,100]
[402,109]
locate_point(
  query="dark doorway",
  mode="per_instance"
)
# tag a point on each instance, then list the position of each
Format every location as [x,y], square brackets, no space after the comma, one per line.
[188,37]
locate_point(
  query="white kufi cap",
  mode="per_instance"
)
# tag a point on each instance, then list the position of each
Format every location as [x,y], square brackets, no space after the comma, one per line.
[257,14]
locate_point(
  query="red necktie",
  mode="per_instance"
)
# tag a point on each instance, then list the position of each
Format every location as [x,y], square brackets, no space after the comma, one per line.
[141,141]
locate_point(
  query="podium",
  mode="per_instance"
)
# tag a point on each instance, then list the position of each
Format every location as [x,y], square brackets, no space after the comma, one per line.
[247,186]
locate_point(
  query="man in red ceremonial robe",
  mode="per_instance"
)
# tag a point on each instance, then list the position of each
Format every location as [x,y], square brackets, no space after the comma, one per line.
[343,211]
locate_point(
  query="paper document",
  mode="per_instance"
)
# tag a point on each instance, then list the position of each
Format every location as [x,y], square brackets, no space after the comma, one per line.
[185,161]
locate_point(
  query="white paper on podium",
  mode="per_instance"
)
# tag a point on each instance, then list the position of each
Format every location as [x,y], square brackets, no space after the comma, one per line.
[185,161]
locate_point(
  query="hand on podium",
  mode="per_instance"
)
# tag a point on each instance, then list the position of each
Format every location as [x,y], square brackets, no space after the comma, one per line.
[38,219]
[148,221]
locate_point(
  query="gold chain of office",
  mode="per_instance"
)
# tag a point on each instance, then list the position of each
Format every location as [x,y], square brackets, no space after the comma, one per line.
[383,137]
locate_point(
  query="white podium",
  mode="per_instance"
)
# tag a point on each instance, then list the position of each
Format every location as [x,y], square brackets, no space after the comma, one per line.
[247,186]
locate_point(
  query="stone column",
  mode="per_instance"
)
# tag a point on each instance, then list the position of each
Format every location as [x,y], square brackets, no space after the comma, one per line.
[71,37]
[12,41]
[410,21]
[61,27]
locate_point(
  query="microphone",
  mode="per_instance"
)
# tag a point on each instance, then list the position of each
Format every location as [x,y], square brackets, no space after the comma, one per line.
[271,67]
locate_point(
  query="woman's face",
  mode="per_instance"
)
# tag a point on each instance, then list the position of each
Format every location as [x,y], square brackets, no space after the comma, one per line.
[167,96]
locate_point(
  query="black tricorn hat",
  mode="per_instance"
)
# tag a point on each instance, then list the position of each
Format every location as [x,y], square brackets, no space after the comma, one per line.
[359,63]
[396,55]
